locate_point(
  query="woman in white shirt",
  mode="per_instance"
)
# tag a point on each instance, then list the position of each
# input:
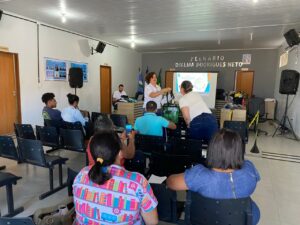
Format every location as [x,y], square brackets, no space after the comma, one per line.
[72,114]
[153,92]
[198,117]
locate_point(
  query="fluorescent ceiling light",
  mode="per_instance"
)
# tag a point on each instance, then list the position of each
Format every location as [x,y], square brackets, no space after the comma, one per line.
[63,18]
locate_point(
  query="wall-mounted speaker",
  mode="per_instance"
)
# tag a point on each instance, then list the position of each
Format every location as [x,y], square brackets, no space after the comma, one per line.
[1,12]
[292,37]
[75,77]
[289,82]
[100,47]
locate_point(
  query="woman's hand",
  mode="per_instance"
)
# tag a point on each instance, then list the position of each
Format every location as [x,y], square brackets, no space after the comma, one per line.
[131,135]
[166,90]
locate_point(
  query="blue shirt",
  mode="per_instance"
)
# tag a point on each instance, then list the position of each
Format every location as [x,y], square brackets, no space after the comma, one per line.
[51,114]
[151,124]
[72,115]
[212,184]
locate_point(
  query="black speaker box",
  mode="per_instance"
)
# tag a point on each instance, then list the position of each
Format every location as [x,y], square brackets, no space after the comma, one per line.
[292,37]
[75,77]
[289,82]
[100,47]
[1,12]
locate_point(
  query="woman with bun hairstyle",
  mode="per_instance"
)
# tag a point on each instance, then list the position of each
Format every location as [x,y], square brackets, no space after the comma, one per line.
[71,113]
[106,193]
[198,117]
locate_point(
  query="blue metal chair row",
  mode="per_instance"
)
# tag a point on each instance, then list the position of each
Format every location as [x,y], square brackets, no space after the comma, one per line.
[118,120]
[32,152]
[200,210]
[7,180]
[166,158]
[70,138]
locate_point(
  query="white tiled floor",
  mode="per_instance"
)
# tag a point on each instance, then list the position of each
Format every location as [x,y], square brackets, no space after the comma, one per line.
[277,194]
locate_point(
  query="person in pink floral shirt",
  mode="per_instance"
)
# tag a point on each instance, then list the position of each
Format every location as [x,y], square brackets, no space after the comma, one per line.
[106,193]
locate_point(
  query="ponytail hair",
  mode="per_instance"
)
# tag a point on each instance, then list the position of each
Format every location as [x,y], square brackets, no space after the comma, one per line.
[104,147]
[72,98]
[187,86]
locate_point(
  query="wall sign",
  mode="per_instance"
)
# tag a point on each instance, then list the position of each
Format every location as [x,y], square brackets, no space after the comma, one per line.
[246,59]
[216,61]
[57,69]
[83,66]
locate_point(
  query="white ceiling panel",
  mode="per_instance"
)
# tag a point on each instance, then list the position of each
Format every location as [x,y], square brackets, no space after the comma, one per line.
[168,25]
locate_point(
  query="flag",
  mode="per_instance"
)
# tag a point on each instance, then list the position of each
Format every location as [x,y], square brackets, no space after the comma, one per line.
[140,79]
[159,78]
[146,73]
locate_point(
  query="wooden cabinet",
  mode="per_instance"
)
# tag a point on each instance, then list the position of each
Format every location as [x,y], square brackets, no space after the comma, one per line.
[169,79]
[131,110]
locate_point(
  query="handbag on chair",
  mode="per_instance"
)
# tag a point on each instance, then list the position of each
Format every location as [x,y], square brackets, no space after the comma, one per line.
[60,214]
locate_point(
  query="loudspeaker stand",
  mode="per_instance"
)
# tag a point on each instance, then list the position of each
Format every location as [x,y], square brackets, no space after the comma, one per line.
[254,149]
[282,128]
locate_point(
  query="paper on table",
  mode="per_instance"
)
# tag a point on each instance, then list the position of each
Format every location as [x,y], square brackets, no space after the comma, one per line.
[156,180]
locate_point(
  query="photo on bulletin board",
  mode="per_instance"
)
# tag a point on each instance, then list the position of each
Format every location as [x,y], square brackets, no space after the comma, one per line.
[55,69]
[83,66]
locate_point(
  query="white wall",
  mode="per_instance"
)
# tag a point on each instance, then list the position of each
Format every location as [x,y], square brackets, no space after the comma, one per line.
[294,109]
[21,37]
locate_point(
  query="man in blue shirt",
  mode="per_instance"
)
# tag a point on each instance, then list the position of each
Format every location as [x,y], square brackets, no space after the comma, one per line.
[150,123]
[49,113]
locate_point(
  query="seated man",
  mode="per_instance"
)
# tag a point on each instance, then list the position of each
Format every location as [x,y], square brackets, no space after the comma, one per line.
[49,113]
[117,96]
[119,93]
[150,123]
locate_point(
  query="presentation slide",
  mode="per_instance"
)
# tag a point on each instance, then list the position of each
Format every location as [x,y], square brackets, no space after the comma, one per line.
[205,83]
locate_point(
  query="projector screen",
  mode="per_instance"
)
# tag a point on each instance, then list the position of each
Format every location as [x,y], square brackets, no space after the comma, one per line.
[204,82]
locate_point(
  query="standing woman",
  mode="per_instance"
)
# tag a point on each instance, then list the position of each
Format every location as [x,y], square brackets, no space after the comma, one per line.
[198,117]
[153,92]
[71,113]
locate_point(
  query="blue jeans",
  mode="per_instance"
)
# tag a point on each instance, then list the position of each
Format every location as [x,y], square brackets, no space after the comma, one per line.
[203,127]
[255,213]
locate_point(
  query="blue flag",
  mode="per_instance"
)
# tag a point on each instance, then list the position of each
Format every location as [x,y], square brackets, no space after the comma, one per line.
[146,73]
[140,80]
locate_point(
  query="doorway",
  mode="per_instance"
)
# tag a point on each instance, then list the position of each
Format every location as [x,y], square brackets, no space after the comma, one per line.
[10,110]
[244,82]
[105,89]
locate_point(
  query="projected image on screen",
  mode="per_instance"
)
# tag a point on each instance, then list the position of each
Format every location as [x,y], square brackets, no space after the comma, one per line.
[205,83]
[201,82]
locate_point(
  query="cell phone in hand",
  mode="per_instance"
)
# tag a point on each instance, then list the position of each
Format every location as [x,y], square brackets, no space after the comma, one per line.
[128,128]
